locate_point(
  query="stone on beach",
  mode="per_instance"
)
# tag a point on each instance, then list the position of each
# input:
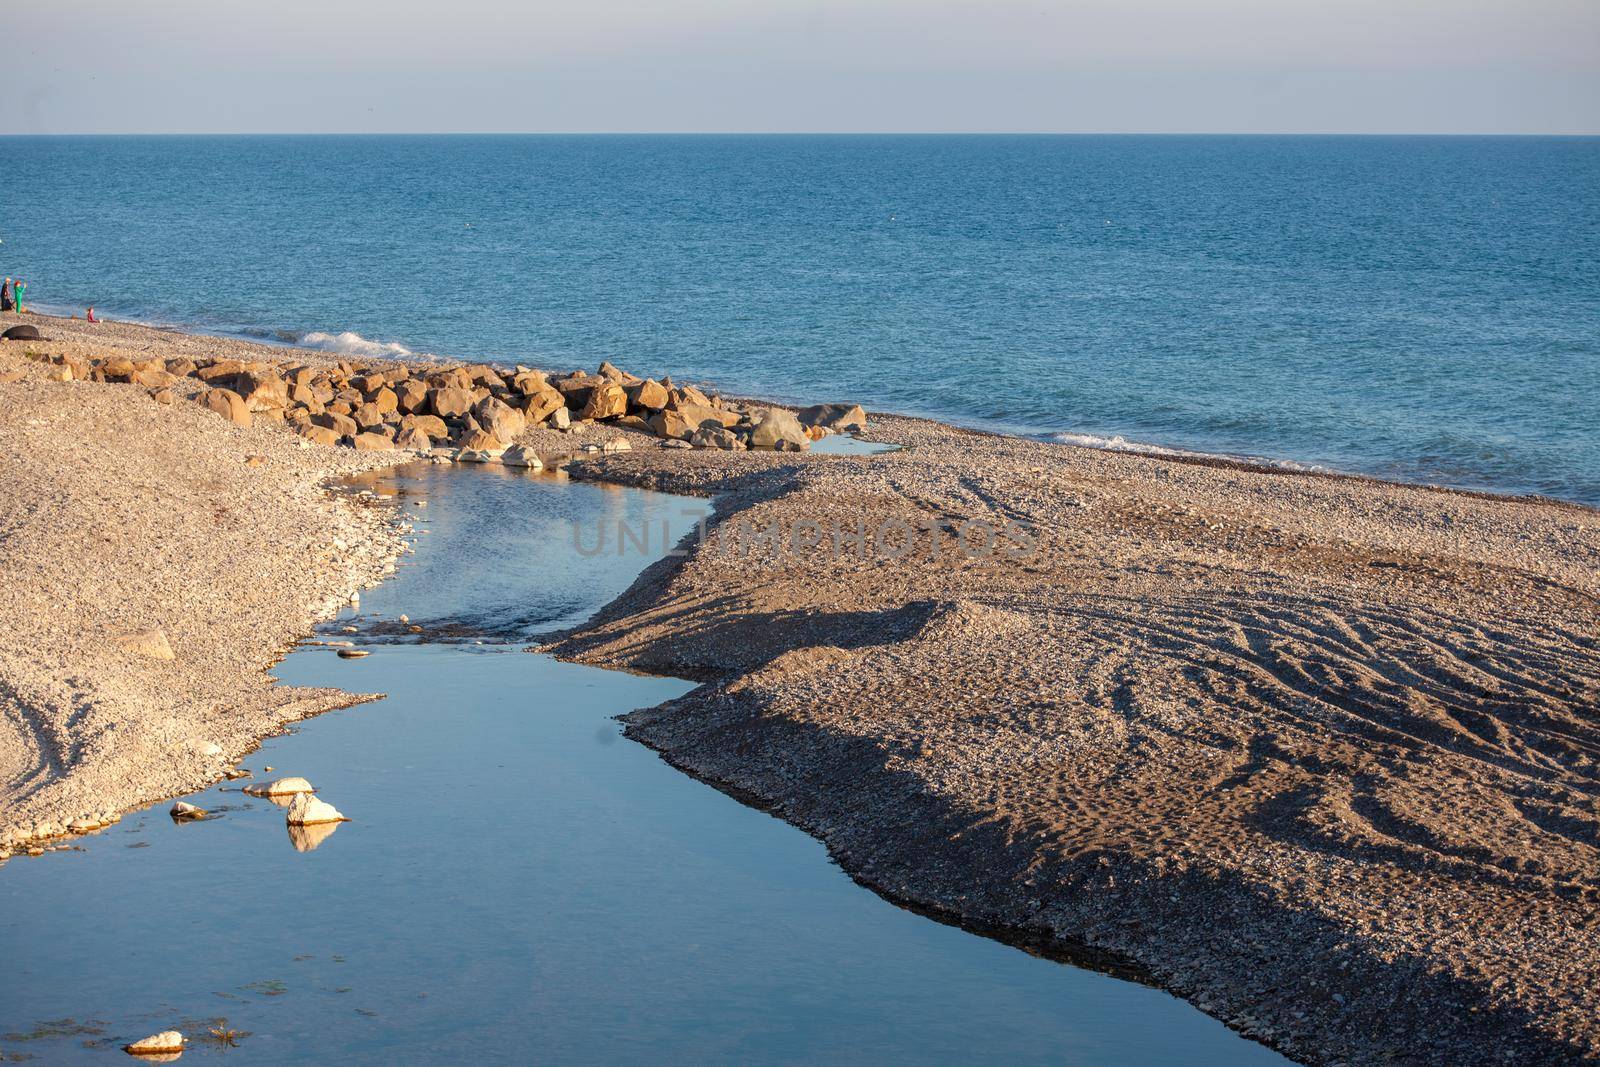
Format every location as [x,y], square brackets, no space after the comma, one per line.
[282,787]
[372,442]
[605,401]
[777,429]
[307,810]
[227,403]
[182,810]
[353,653]
[840,418]
[519,456]
[167,1041]
[152,643]
[450,403]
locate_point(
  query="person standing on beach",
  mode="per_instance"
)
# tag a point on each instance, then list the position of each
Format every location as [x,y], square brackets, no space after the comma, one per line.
[5,297]
[17,289]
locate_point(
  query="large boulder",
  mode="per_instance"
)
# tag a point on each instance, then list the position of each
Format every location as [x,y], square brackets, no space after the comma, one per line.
[227,403]
[700,414]
[542,403]
[451,403]
[432,425]
[648,395]
[717,437]
[529,382]
[411,396]
[672,425]
[372,442]
[499,418]
[320,435]
[480,441]
[413,439]
[605,401]
[384,399]
[22,333]
[261,389]
[522,456]
[367,416]
[840,418]
[779,430]
[343,425]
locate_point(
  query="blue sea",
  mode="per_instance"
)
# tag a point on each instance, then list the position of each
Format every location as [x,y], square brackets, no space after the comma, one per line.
[1419,308]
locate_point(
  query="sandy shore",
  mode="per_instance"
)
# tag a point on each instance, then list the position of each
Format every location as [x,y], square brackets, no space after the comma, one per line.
[1318,753]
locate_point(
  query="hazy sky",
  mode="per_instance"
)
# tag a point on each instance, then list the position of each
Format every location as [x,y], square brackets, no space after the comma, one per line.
[1450,66]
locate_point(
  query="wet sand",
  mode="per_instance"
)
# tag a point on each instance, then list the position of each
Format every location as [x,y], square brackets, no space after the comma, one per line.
[1318,753]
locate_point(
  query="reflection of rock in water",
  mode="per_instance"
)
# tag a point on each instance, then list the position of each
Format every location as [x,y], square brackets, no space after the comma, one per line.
[305,838]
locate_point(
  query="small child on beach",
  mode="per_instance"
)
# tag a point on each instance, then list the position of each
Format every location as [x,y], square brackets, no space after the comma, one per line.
[89,316]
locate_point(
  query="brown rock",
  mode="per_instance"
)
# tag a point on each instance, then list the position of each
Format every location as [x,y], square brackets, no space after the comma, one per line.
[542,404]
[180,367]
[372,442]
[261,389]
[432,425]
[228,404]
[605,402]
[529,382]
[480,441]
[384,399]
[500,419]
[839,418]
[117,370]
[450,403]
[343,425]
[163,396]
[649,395]
[319,434]
[411,396]
[367,416]
[413,439]
[778,430]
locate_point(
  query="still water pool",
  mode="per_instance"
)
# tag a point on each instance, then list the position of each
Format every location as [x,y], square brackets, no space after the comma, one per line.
[519,883]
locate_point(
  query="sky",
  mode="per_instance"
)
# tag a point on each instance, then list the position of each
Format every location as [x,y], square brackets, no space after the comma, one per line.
[1091,66]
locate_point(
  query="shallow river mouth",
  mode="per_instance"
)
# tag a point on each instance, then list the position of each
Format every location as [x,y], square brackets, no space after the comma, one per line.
[518,882]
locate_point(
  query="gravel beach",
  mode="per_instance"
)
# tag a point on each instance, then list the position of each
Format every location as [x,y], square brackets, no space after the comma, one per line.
[119,516]
[1318,753]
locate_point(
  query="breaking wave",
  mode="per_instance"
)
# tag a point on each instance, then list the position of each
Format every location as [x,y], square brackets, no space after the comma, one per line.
[350,343]
[1118,443]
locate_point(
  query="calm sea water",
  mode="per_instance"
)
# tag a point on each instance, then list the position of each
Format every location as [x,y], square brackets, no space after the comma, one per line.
[1419,308]
[519,883]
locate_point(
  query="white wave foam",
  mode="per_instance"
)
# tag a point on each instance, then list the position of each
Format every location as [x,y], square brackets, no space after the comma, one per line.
[350,343]
[1118,443]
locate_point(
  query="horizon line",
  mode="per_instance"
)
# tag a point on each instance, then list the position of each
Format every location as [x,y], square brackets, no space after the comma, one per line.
[799,133]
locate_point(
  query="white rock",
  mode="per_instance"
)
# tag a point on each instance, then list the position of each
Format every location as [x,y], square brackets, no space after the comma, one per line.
[282,787]
[180,810]
[617,444]
[307,809]
[165,1041]
[522,456]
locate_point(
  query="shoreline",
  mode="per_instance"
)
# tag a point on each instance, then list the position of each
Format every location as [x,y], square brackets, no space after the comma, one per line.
[1137,447]
[1308,747]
